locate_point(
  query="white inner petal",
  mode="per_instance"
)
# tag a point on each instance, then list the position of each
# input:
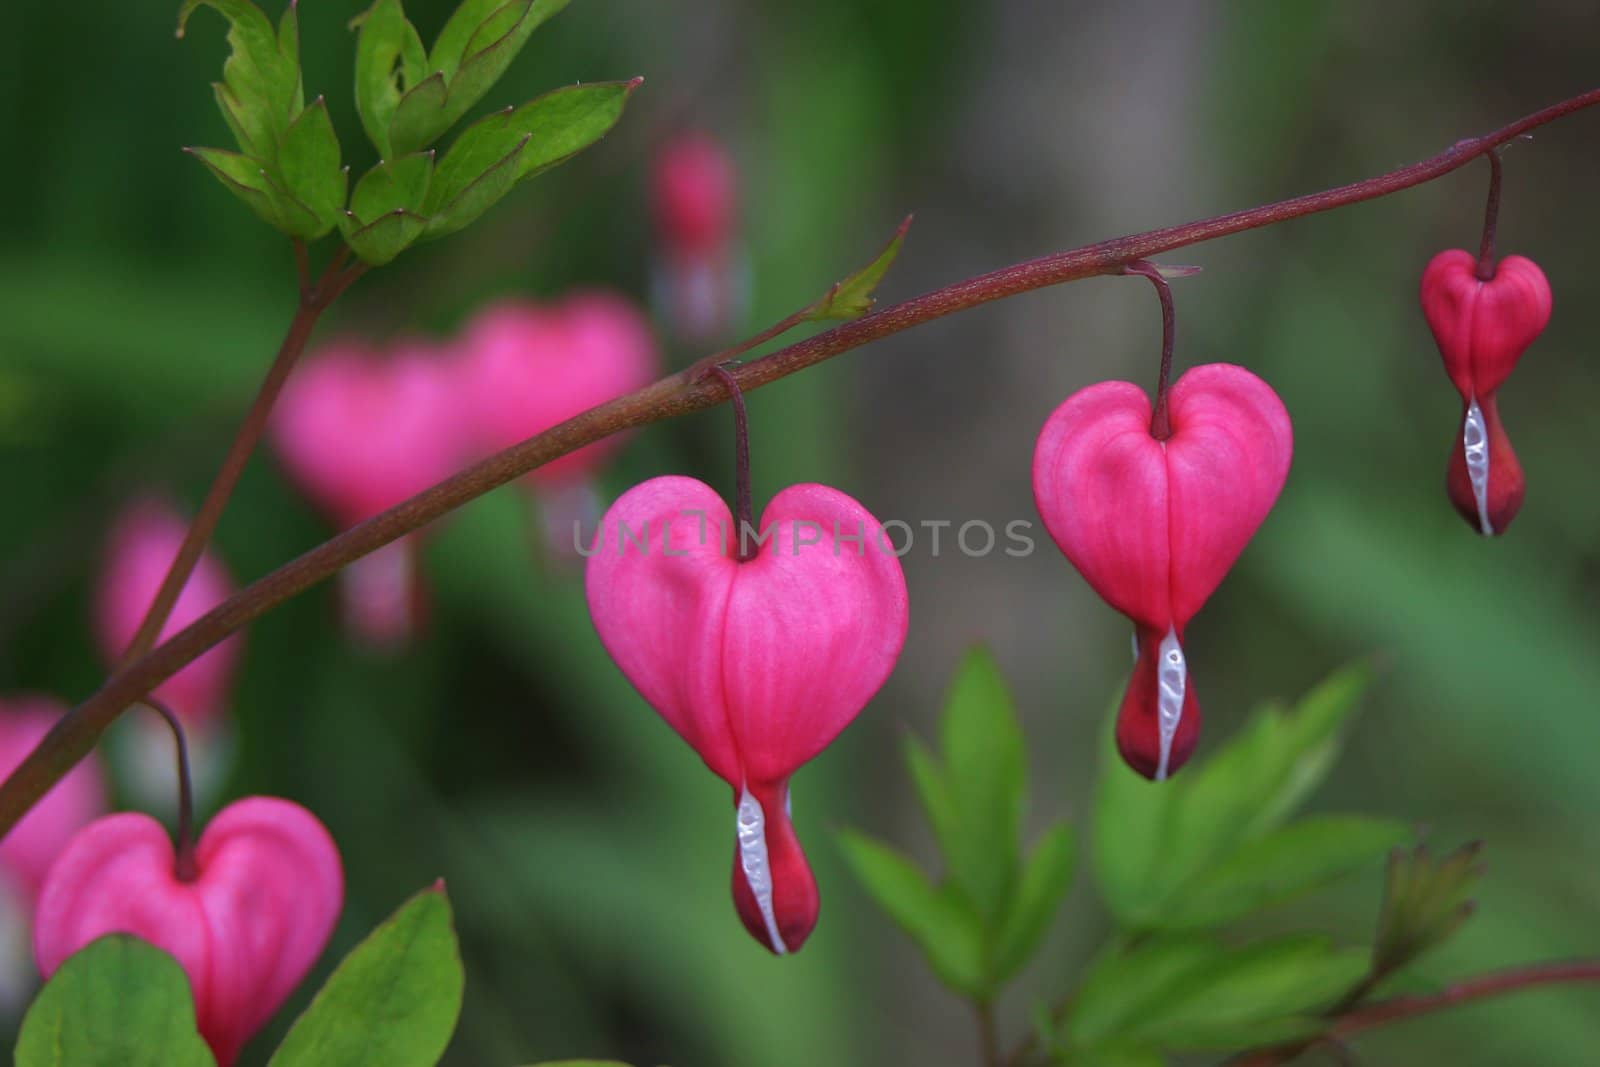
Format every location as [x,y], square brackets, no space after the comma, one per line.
[1172,679]
[1475,443]
[751,826]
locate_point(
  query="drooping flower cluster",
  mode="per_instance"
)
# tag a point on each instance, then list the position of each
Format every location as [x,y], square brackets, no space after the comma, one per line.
[361,430]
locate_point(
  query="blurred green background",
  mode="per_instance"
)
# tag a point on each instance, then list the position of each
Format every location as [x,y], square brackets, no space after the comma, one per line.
[586,849]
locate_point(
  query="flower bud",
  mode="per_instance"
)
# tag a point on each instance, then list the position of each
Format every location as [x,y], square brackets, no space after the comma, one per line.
[758,664]
[246,929]
[1154,525]
[1482,327]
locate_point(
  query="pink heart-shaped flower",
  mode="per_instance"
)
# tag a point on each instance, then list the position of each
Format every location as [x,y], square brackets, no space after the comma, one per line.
[758,665]
[528,367]
[1154,526]
[1482,327]
[246,930]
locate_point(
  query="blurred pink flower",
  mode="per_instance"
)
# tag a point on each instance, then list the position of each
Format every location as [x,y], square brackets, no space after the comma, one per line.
[699,277]
[360,433]
[268,889]
[34,843]
[143,543]
[529,367]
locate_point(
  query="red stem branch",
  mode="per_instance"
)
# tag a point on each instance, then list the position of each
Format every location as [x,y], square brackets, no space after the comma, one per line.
[75,735]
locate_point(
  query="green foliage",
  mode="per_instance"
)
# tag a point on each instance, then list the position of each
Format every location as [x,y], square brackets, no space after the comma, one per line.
[118,1002]
[1186,992]
[983,923]
[392,1002]
[852,297]
[289,165]
[1424,903]
[1207,848]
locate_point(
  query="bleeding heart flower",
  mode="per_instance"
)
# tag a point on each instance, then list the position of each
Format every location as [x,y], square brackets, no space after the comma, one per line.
[694,197]
[33,844]
[246,929]
[360,433]
[140,550]
[1482,327]
[758,665]
[1153,525]
[529,367]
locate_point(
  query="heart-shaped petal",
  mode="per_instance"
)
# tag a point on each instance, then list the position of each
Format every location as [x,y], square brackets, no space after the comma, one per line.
[246,930]
[758,665]
[1483,327]
[1153,526]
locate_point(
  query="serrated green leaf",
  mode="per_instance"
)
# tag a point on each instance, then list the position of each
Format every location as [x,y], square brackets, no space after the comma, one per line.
[389,59]
[944,926]
[388,187]
[392,1002]
[247,180]
[985,772]
[1046,877]
[934,794]
[489,52]
[118,1002]
[1279,866]
[289,48]
[264,81]
[381,240]
[477,25]
[460,194]
[852,297]
[311,166]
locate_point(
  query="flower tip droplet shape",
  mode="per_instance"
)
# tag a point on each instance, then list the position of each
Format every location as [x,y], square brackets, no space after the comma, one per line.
[1482,328]
[268,891]
[759,664]
[1154,526]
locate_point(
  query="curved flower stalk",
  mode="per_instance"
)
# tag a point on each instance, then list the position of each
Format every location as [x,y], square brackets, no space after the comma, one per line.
[757,664]
[359,433]
[701,282]
[1482,326]
[1154,525]
[527,367]
[266,891]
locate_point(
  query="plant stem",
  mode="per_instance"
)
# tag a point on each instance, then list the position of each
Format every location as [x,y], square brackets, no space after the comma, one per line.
[745,511]
[75,735]
[314,300]
[1160,428]
[184,868]
[988,1038]
[1491,218]
[1496,983]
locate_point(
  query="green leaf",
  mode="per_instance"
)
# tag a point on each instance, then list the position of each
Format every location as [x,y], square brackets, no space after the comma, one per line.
[392,1002]
[1190,992]
[460,193]
[1045,880]
[489,52]
[415,123]
[118,1002]
[261,74]
[1285,863]
[985,773]
[389,187]
[1425,901]
[943,925]
[852,297]
[246,179]
[380,241]
[1152,840]
[310,163]
[389,59]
